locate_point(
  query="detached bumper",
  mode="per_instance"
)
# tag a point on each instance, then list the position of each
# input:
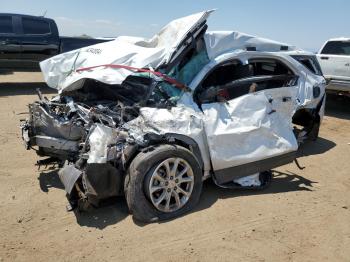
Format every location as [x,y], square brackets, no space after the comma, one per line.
[68,176]
[92,183]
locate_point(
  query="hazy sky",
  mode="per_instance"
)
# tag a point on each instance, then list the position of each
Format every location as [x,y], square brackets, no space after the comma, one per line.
[305,23]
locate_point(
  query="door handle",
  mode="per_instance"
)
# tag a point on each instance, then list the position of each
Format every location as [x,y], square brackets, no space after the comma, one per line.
[324,57]
[286,98]
[8,42]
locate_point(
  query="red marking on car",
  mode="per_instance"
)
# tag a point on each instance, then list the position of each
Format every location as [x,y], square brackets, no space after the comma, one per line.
[159,74]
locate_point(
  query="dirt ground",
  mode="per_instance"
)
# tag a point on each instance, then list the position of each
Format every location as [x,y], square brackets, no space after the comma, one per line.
[303,216]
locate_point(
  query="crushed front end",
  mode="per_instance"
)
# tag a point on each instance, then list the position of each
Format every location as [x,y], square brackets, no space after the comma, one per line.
[83,131]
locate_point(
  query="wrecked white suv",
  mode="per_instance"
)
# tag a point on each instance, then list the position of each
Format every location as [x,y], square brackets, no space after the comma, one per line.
[152,119]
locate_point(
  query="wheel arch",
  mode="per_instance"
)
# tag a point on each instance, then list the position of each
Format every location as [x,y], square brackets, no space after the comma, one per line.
[188,143]
[170,139]
[307,116]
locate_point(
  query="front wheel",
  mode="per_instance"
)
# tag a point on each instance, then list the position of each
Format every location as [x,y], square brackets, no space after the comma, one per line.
[163,183]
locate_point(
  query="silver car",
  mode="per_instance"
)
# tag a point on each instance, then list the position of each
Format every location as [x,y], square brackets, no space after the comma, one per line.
[152,119]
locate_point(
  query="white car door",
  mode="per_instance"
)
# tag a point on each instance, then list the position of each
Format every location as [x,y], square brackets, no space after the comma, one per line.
[334,59]
[252,132]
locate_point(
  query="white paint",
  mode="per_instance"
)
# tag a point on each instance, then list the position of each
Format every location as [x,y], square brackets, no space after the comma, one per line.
[100,138]
[59,71]
[252,180]
[246,129]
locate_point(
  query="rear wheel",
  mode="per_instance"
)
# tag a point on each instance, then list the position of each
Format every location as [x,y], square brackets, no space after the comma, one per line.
[314,130]
[163,183]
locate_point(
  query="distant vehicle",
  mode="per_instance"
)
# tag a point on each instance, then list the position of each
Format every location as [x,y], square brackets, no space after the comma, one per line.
[334,58]
[27,40]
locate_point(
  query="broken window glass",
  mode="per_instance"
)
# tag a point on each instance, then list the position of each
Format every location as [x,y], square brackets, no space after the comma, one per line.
[310,62]
[232,80]
[193,62]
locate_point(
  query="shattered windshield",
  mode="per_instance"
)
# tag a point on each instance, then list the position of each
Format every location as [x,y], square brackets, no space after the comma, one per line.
[151,90]
[164,93]
[168,92]
[186,69]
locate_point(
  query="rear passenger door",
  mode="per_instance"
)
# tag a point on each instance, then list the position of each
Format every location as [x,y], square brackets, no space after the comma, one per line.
[249,122]
[10,47]
[36,38]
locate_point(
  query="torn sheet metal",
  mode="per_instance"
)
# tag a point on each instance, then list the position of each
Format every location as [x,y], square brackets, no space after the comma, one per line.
[178,120]
[68,175]
[60,71]
[306,93]
[100,138]
[49,125]
[101,181]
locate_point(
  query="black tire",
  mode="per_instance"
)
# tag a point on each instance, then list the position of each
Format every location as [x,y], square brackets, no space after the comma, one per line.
[134,187]
[265,178]
[314,131]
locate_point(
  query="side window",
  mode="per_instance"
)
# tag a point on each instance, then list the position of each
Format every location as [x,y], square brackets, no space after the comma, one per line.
[232,80]
[35,26]
[6,25]
[336,48]
[310,62]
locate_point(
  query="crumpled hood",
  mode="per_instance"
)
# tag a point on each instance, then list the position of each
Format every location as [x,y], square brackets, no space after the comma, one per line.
[221,42]
[60,71]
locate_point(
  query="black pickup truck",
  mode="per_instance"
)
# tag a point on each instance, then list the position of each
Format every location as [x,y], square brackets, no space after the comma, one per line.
[26,40]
